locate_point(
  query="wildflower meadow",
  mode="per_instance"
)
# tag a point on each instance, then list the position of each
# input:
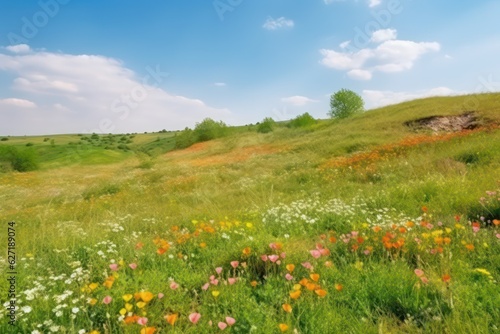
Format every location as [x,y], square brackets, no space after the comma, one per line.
[283,232]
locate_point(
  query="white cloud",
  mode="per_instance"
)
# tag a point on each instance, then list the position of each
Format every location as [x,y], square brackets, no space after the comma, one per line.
[374,3]
[383,35]
[279,23]
[14,102]
[92,93]
[378,98]
[345,44]
[20,48]
[219,84]
[360,74]
[391,55]
[297,100]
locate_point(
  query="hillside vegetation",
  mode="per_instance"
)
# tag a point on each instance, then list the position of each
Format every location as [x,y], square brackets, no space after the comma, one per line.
[367,224]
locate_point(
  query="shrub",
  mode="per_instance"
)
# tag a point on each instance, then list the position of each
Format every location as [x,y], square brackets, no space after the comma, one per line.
[301,121]
[345,103]
[23,160]
[4,139]
[266,126]
[185,138]
[209,129]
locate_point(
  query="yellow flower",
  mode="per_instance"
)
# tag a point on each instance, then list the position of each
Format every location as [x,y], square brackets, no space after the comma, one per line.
[297,287]
[123,311]
[448,230]
[215,293]
[287,308]
[127,297]
[93,286]
[146,296]
[95,332]
[358,265]
[129,307]
[249,225]
[93,301]
[283,327]
[140,304]
[483,271]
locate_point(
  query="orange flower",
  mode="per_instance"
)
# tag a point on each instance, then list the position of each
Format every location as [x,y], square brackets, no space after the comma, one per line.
[253,283]
[446,278]
[161,251]
[246,251]
[333,239]
[447,240]
[283,327]
[496,222]
[402,230]
[377,229]
[470,247]
[410,224]
[203,244]
[287,308]
[311,286]
[148,330]
[339,287]
[171,318]
[109,282]
[131,320]
[320,292]
[290,267]
[146,296]
[295,294]
[139,245]
[314,277]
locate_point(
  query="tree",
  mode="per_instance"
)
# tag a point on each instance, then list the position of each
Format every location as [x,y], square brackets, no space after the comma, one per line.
[209,129]
[266,126]
[345,103]
[302,121]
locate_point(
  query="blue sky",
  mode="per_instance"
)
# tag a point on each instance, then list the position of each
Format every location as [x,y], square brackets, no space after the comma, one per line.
[70,66]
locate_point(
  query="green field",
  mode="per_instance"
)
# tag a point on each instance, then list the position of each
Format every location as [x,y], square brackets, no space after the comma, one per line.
[357,225]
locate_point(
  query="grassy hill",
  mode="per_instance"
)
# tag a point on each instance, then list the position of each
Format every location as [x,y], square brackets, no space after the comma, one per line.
[382,225]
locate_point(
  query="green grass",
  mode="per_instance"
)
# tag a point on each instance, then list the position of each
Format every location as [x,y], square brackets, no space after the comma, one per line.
[88,207]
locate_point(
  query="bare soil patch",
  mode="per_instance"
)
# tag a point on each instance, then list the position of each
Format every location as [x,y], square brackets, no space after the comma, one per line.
[467,121]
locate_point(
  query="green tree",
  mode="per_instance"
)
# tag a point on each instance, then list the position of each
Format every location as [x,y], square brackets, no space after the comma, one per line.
[267,125]
[209,129]
[345,103]
[301,121]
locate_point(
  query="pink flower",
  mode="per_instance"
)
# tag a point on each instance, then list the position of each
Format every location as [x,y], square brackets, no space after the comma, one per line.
[215,282]
[319,246]
[194,317]
[475,229]
[133,266]
[160,295]
[429,226]
[263,257]
[354,234]
[235,264]
[424,280]
[113,266]
[230,321]
[418,241]
[366,251]
[419,272]
[324,252]
[107,300]
[142,321]
[212,277]
[307,265]
[218,270]
[498,235]
[273,258]
[174,285]
[231,280]
[278,262]
[273,246]
[283,255]
[289,277]
[222,325]
[205,286]
[315,253]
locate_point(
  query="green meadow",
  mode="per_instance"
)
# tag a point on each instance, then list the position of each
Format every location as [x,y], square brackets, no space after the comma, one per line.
[368,224]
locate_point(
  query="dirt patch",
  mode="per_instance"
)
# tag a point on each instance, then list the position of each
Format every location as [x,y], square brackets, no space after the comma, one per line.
[467,121]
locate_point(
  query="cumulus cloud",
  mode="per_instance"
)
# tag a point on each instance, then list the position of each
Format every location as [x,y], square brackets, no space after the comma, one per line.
[91,93]
[297,100]
[374,3]
[383,35]
[14,102]
[379,98]
[20,48]
[390,55]
[279,23]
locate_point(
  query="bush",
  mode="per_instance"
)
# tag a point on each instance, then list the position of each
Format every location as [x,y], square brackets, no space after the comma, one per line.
[345,103]
[4,139]
[24,160]
[301,121]
[185,138]
[266,126]
[209,129]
